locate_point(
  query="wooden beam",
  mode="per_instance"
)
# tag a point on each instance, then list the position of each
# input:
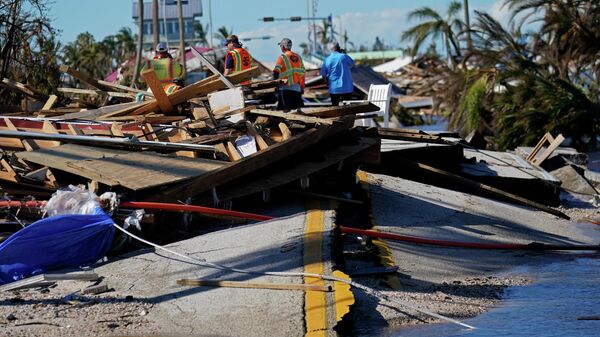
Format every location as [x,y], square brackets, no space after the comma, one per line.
[164,103]
[338,111]
[253,285]
[285,132]
[22,89]
[292,116]
[83,77]
[200,88]
[249,164]
[232,152]
[50,102]
[260,142]
[125,88]
[479,186]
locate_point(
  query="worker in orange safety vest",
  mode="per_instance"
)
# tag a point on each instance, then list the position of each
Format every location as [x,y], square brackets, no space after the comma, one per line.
[289,67]
[237,58]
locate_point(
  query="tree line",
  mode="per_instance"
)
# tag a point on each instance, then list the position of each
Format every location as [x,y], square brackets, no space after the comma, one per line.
[539,73]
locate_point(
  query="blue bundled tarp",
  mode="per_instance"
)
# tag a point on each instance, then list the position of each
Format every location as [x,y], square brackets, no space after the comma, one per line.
[60,241]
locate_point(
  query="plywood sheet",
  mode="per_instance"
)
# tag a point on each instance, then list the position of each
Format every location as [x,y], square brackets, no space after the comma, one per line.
[141,170]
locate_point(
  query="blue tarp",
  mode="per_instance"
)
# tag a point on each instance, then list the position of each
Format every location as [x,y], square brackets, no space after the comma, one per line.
[60,241]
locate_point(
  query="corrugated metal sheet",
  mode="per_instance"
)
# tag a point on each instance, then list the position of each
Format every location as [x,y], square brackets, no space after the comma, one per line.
[191,9]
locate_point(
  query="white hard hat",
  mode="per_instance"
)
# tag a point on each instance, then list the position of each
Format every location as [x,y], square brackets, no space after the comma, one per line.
[162,47]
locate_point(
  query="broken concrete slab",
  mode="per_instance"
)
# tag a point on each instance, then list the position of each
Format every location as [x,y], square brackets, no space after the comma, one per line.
[573,180]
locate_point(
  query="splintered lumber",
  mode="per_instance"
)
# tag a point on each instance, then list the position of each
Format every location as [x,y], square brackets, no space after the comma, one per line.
[125,88]
[479,186]
[292,116]
[83,77]
[249,164]
[21,88]
[131,143]
[337,111]
[200,88]
[104,112]
[91,92]
[279,176]
[409,136]
[132,170]
[159,93]
[50,102]
[253,285]
[285,132]
[260,142]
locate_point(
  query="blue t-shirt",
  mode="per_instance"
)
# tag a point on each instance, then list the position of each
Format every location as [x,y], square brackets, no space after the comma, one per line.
[337,70]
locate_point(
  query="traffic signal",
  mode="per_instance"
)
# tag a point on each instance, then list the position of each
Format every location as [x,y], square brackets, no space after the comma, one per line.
[295,18]
[268,19]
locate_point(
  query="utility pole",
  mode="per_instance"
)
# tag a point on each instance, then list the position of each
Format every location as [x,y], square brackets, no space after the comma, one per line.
[155,28]
[468,24]
[181,37]
[210,22]
[140,43]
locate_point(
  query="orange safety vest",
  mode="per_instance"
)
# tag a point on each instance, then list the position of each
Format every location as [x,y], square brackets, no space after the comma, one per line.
[290,66]
[241,59]
[171,88]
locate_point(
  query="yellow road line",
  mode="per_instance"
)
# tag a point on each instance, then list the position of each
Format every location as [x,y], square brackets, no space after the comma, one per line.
[314,302]
[386,258]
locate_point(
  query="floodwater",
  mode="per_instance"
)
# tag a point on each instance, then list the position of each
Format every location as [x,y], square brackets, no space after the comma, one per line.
[562,294]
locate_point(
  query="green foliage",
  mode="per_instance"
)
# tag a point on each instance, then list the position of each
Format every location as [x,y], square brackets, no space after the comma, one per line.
[515,87]
[28,47]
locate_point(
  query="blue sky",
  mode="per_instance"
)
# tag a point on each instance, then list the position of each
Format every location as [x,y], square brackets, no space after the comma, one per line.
[363,20]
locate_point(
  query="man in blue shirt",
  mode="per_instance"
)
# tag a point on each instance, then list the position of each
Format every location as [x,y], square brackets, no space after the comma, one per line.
[336,71]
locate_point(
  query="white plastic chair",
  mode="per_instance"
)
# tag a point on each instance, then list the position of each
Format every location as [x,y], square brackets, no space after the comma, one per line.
[380,95]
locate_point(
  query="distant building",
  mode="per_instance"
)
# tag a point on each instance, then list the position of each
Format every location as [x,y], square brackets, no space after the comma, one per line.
[168,20]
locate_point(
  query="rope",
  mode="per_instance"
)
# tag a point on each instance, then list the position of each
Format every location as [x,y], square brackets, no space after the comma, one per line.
[288,274]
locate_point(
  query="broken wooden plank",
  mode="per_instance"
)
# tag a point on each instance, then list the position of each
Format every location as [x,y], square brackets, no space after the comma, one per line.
[200,88]
[278,176]
[91,92]
[250,164]
[104,112]
[285,132]
[83,77]
[129,143]
[115,86]
[479,186]
[50,102]
[292,116]
[338,111]
[253,285]
[143,170]
[232,152]
[260,142]
[22,89]
[164,103]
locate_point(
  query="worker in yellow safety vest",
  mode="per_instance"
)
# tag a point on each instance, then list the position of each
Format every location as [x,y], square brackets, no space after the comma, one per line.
[289,67]
[237,58]
[164,66]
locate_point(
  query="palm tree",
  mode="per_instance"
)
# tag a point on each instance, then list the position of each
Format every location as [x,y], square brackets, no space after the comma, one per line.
[201,33]
[222,33]
[140,43]
[181,36]
[155,27]
[435,26]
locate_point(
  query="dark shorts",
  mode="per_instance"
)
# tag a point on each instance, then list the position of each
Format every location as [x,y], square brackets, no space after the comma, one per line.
[289,99]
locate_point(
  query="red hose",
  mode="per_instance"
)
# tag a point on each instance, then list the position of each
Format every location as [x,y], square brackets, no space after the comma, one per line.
[33,203]
[157,206]
[482,245]
[195,209]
